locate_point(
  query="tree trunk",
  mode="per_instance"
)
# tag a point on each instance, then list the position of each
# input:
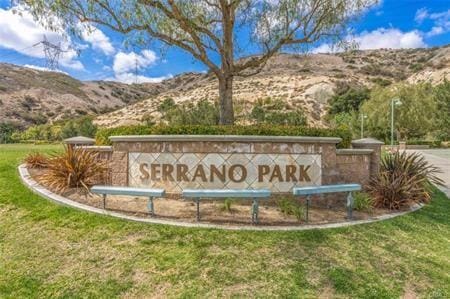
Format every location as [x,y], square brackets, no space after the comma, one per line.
[226,112]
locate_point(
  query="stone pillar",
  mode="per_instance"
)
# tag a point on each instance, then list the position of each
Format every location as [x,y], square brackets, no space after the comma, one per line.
[79,141]
[119,168]
[375,145]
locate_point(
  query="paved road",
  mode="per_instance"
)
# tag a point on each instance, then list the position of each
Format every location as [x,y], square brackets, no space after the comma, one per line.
[440,158]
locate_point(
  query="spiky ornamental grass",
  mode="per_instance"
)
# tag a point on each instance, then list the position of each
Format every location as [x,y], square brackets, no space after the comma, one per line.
[404,179]
[36,160]
[75,168]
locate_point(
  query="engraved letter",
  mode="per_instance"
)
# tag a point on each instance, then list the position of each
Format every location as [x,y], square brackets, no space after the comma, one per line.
[215,172]
[276,173]
[199,172]
[262,171]
[167,170]
[155,172]
[144,171]
[290,173]
[182,169]
[243,173]
[304,173]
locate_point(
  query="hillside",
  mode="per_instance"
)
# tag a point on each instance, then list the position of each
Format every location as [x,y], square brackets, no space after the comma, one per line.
[29,96]
[302,81]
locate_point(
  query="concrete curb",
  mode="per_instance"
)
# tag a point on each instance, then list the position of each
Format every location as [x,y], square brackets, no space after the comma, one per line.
[29,182]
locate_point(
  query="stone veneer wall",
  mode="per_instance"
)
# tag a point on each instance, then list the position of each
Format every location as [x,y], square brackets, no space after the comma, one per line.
[338,166]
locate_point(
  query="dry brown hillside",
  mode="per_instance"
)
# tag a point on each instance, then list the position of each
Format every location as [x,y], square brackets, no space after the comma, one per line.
[302,81]
[29,96]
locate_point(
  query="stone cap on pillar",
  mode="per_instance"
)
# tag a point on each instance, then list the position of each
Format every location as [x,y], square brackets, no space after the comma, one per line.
[80,140]
[367,141]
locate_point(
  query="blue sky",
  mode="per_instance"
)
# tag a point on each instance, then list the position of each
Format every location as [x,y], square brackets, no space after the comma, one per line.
[103,56]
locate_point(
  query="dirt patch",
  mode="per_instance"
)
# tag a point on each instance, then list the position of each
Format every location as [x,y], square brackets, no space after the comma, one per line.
[215,211]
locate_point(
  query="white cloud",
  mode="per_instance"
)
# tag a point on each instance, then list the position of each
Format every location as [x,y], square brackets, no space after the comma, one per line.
[97,39]
[130,78]
[421,15]
[125,64]
[440,20]
[21,32]
[381,38]
[43,69]
[436,30]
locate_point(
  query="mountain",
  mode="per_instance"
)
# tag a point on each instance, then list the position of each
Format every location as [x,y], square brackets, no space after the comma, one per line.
[29,96]
[301,81]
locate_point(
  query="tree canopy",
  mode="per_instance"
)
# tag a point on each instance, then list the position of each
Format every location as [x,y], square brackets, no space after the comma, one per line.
[216,32]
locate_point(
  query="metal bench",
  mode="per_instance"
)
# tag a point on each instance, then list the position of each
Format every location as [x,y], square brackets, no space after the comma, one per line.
[312,190]
[130,191]
[255,195]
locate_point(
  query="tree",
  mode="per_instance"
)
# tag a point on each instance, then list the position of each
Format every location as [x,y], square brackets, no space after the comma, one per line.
[69,130]
[414,118]
[6,131]
[86,127]
[349,100]
[441,94]
[212,31]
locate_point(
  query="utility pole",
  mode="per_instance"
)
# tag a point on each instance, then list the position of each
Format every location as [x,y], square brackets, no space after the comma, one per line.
[52,53]
[135,70]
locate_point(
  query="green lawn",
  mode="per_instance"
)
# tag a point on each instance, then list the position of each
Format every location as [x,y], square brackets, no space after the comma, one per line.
[49,250]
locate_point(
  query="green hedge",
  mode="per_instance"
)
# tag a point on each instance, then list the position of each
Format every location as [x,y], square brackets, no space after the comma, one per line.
[263,130]
[431,143]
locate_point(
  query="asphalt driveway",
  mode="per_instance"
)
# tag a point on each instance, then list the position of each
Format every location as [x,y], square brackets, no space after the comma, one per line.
[441,159]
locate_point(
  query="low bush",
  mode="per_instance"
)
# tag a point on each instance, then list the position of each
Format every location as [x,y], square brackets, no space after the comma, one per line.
[103,134]
[431,143]
[363,202]
[75,168]
[289,206]
[404,179]
[36,160]
[227,205]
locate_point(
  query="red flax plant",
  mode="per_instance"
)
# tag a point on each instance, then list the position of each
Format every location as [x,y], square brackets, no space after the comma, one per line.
[404,179]
[75,168]
[36,160]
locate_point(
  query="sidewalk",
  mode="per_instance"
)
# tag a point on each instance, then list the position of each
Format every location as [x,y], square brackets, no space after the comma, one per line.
[441,159]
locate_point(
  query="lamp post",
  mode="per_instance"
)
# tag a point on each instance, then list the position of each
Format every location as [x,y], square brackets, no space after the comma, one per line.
[362,124]
[394,102]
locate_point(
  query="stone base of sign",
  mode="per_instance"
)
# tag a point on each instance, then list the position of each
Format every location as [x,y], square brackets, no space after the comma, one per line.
[34,186]
[310,160]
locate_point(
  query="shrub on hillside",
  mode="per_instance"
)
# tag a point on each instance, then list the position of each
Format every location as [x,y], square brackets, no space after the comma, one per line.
[348,100]
[403,179]
[275,112]
[103,134]
[75,168]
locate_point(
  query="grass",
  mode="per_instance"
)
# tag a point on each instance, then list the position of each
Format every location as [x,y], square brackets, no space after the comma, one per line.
[48,250]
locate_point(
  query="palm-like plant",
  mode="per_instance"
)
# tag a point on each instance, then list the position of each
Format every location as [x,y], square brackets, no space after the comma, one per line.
[404,179]
[36,160]
[75,168]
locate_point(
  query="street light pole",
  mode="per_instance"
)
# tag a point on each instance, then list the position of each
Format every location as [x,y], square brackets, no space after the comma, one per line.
[362,124]
[394,102]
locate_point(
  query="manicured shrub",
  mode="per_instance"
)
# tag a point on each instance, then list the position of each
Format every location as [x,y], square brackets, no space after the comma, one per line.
[36,160]
[75,168]
[103,134]
[404,179]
